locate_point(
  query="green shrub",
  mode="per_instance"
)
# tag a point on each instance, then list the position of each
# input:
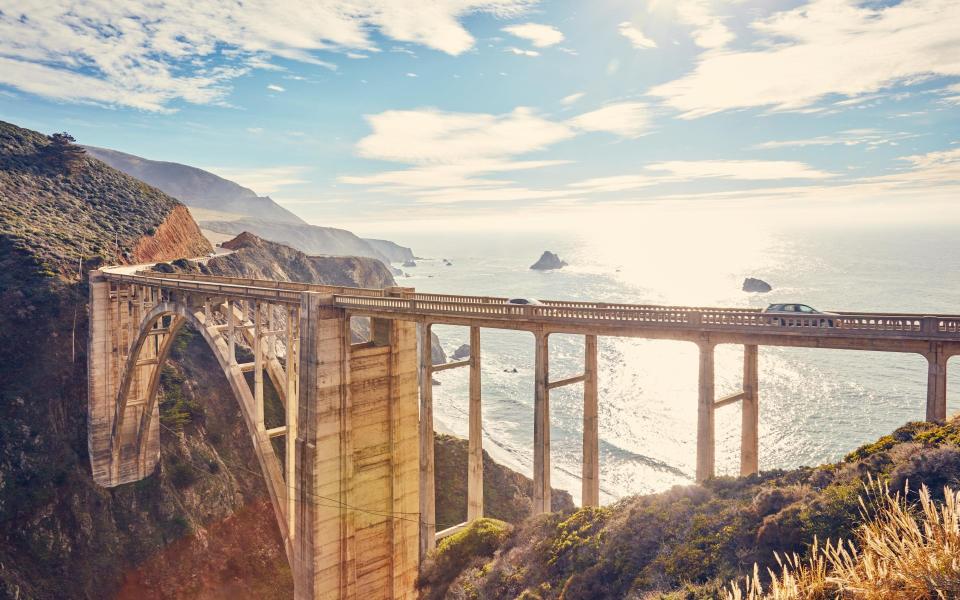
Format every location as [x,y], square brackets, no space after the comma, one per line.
[455,553]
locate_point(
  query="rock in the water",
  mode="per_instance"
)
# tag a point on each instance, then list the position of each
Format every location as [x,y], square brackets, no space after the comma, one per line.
[548,261]
[409,263]
[434,381]
[462,352]
[437,355]
[751,284]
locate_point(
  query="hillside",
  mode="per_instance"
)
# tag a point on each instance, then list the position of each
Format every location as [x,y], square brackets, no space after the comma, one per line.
[393,251]
[312,239]
[196,187]
[691,540]
[226,207]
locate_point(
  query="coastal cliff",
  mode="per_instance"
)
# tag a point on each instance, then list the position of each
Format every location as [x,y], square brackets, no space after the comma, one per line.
[691,541]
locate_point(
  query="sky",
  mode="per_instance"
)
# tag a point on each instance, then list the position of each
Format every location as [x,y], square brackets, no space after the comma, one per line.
[466,114]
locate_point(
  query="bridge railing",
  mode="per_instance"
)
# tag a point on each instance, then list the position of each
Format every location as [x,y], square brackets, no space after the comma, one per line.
[267,283]
[698,318]
[280,296]
[493,307]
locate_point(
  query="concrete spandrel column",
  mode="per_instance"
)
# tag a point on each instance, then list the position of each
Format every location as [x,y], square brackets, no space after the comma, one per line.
[750,416]
[705,415]
[541,427]
[428,523]
[475,442]
[936,383]
[590,491]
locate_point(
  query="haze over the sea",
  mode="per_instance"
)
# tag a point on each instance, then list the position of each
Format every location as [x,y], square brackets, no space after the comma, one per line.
[816,405]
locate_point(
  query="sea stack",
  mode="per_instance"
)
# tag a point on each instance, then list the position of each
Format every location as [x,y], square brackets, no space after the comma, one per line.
[548,262]
[751,284]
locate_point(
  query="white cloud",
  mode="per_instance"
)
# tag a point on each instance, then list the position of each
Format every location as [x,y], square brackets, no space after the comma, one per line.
[276,88]
[675,171]
[266,180]
[412,75]
[629,119]
[827,47]
[749,170]
[933,168]
[539,35]
[572,98]
[953,94]
[255,130]
[148,55]
[522,51]
[709,29]
[850,137]
[636,37]
[433,136]
[615,183]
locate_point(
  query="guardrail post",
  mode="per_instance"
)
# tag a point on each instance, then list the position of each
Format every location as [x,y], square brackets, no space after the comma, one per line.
[750,416]
[705,415]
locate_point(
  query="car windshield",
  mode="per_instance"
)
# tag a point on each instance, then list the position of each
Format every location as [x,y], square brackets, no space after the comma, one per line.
[804,308]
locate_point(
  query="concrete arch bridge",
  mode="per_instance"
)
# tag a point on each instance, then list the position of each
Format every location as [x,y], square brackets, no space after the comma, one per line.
[353,488]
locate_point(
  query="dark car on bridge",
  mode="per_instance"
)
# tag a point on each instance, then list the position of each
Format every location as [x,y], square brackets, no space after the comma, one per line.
[781,315]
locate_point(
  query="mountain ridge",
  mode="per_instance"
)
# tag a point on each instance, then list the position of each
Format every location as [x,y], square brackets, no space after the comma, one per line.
[195,186]
[226,207]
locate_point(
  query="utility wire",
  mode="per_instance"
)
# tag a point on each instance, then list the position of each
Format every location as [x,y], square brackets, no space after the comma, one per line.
[336,503]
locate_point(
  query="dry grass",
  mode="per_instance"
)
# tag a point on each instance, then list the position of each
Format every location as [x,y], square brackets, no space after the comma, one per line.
[901,552]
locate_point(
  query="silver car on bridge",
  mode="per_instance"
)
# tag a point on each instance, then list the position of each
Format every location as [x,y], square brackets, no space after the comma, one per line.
[782,313]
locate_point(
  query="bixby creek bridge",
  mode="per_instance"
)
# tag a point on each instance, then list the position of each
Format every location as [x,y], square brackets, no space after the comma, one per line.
[350,472]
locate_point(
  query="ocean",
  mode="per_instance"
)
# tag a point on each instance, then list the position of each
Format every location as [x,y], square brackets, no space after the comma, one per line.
[815,405]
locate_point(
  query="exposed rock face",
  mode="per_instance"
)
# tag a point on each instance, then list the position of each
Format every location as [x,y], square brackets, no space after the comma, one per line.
[392,251]
[547,262]
[437,355]
[462,352]
[507,495]
[176,237]
[196,187]
[327,241]
[751,284]
[262,259]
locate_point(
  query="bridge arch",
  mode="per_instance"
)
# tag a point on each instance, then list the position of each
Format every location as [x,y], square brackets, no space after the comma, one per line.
[136,444]
[345,496]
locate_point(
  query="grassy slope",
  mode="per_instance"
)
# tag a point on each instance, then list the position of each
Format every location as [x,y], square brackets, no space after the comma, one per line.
[688,541]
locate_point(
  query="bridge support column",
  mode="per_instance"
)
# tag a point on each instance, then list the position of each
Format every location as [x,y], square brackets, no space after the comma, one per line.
[590,491]
[750,423]
[475,448]
[541,427]
[258,364]
[936,383]
[323,565]
[706,449]
[428,519]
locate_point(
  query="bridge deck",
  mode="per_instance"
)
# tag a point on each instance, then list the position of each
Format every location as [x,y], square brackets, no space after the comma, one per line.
[902,332]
